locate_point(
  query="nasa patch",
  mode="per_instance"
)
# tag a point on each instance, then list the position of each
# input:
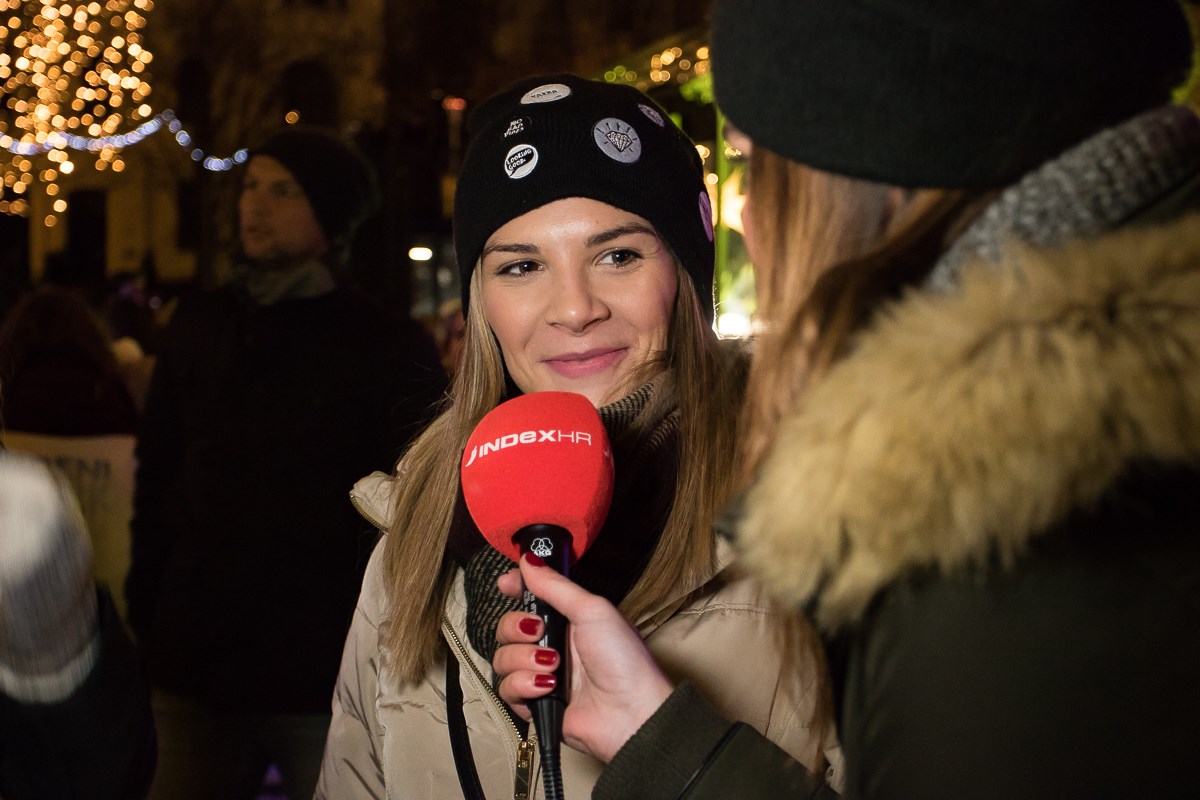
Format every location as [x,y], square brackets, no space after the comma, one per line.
[617,140]
[520,160]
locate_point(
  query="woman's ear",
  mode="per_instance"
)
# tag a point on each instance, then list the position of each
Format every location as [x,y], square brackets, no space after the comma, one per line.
[898,204]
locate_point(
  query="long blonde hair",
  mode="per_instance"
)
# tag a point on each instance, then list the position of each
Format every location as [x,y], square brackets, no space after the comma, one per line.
[829,250]
[708,385]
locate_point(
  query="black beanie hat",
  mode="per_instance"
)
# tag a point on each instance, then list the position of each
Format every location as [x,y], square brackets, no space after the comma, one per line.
[552,137]
[336,178]
[941,93]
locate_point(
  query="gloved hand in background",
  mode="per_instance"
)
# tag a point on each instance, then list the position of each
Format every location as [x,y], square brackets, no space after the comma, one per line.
[49,637]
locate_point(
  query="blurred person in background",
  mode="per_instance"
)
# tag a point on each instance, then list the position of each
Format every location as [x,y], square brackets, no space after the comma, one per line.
[973,445]
[270,396]
[64,399]
[58,370]
[75,719]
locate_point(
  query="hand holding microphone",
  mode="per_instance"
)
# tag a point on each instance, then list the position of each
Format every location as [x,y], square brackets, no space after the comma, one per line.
[615,684]
[537,477]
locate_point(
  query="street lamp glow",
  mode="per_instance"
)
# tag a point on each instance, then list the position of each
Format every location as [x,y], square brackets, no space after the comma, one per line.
[420,253]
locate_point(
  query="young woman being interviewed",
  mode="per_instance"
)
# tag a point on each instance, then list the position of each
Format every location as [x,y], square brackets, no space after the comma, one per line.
[584,237]
[974,415]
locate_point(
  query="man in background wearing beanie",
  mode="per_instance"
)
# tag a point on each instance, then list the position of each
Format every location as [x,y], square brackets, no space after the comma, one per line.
[271,396]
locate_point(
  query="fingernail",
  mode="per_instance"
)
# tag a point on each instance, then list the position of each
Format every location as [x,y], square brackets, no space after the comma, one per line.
[543,681]
[545,657]
[535,560]
[530,626]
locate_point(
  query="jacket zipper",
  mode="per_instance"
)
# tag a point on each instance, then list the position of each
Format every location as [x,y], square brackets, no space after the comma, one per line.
[523,782]
[362,512]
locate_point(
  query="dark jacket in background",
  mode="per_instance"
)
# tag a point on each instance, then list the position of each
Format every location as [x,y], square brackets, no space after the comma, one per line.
[992,504]
[247,554]
[97,744]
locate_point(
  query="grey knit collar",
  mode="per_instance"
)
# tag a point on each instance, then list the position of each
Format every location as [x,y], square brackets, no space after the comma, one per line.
[267,287]
[1089,189]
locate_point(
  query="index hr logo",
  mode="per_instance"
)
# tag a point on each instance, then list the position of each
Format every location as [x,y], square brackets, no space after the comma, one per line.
[527,437]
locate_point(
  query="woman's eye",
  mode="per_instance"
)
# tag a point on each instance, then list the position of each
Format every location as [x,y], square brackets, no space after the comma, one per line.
[518,268]
[620,258]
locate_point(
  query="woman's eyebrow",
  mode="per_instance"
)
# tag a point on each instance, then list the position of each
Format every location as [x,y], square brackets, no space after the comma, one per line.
[614,233]
[510,247]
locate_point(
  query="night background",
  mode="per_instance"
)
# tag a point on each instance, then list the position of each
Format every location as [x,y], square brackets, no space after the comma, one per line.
[151,102]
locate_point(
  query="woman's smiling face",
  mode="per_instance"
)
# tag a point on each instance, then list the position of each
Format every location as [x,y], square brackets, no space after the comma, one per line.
[579,295]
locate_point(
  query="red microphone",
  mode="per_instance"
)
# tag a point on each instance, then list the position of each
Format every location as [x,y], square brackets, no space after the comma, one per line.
[537,475]
[539,459]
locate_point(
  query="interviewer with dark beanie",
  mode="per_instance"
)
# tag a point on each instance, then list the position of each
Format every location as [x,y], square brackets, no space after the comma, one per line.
[973,442]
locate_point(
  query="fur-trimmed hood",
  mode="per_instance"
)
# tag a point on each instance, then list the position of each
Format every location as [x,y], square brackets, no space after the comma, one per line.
[963,425]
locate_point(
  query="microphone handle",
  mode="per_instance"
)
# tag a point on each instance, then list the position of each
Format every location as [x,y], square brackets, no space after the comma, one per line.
[552,544]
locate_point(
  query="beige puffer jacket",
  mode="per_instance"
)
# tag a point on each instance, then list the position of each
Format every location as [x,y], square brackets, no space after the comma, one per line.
[391,741]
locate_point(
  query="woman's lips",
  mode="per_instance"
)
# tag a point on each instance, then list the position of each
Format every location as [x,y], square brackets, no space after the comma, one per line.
[590,362]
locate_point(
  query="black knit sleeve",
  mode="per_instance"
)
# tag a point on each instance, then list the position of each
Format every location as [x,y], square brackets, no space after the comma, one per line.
[688,751]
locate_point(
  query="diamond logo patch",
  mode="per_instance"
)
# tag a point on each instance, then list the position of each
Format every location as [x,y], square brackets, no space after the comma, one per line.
[617,140]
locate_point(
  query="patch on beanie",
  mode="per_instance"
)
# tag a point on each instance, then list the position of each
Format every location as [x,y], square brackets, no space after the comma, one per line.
[520,160]
[652,115]
[617,140]
[706,213]
[518,125]
[546,93]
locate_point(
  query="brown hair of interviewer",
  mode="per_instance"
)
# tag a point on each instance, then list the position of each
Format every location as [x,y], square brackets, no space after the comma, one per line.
[830,251]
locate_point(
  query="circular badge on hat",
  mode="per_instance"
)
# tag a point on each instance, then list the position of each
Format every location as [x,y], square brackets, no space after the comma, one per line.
[652,114]
[546,93]
[515,126]
[706,218]
[520,160]
[617,140]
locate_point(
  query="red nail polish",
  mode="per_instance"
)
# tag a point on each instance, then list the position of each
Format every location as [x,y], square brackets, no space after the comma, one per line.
[530,626]
[545,657]
[543,681]
[535,560]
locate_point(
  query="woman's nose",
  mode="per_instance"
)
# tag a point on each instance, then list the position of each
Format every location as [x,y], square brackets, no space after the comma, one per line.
[575,303]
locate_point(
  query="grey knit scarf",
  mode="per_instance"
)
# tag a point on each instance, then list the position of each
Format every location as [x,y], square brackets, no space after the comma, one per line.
[266,287]
[1094,187]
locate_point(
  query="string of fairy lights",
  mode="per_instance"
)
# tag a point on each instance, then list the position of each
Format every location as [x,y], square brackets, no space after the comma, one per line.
[74,81]
[73,77]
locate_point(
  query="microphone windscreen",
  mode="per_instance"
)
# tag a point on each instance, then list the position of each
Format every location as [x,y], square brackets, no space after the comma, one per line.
[541,458]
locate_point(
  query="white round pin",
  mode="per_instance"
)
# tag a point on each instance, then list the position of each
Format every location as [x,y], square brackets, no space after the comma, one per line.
[546,93]
[521,160]
[617,140]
